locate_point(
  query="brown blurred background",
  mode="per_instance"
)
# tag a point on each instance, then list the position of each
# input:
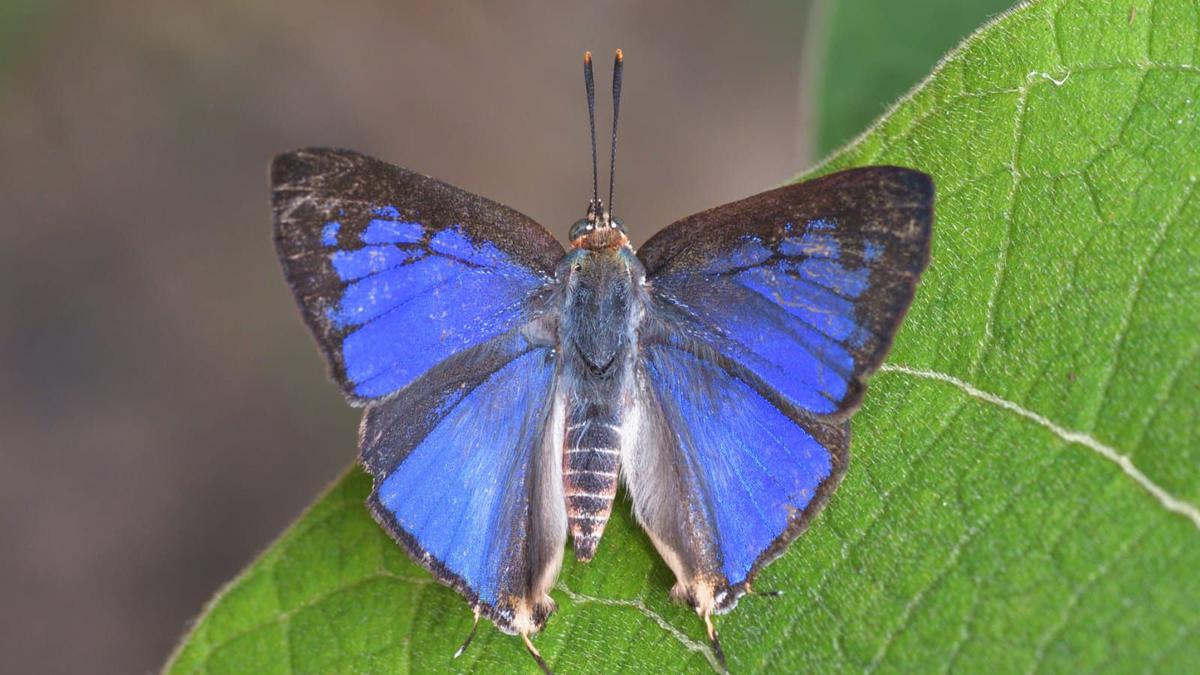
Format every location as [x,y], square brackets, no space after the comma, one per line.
[163,413]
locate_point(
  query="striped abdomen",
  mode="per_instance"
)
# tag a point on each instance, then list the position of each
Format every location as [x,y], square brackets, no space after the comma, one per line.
[591,463]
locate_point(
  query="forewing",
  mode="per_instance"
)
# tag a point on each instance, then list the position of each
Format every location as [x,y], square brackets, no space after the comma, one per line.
[722,478]
[394,272]
[803,286]
[468,477]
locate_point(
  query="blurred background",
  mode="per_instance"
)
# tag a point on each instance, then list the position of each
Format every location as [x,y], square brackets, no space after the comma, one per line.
[163,412]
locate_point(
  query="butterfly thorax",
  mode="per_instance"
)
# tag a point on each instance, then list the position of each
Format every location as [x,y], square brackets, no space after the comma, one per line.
[601,309]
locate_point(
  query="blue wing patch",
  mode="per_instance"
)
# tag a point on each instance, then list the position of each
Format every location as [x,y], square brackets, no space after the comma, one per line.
[467,467]
[409,303]
[396,272]
[756,468]
[803,286]
[784,311]
[462,492]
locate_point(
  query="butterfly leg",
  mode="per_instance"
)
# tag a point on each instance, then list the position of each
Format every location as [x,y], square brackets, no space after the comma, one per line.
[536,655]
[471,636]
[716,642]
[774,593]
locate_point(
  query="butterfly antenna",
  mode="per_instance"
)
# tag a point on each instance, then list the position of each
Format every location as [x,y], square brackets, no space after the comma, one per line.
[618,66]
[536,656]
[471,636]
[590,85]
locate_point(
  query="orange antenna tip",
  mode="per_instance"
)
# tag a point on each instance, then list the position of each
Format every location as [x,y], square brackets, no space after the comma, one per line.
[620,56]
[587,57]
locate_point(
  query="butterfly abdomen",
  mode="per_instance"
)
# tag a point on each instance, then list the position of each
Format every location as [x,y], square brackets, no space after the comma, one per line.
[591,464]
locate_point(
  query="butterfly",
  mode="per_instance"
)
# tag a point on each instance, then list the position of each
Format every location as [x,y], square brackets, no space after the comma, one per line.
[509,384]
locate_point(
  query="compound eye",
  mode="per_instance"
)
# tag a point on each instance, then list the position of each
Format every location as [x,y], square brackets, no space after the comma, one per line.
[580,228]
[617,223]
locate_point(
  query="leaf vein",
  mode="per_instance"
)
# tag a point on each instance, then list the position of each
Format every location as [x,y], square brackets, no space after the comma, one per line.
[875,519]
[909,610]
[688,643]
[1166,499]
[1099,572]
[1142,271]
[287,614]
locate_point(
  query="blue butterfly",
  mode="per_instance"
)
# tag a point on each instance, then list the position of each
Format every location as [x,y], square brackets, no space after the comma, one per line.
[509,384]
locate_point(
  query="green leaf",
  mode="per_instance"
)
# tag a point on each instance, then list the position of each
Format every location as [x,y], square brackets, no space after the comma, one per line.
[874,50]
[1026,473]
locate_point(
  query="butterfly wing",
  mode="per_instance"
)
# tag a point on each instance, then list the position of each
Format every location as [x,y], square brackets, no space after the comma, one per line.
[804,285]
[721,477]
[429,304]
[394,272]
[766,316]
[468,477]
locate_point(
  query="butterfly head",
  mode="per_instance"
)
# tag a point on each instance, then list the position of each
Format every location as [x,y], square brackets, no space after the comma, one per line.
[600,229]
